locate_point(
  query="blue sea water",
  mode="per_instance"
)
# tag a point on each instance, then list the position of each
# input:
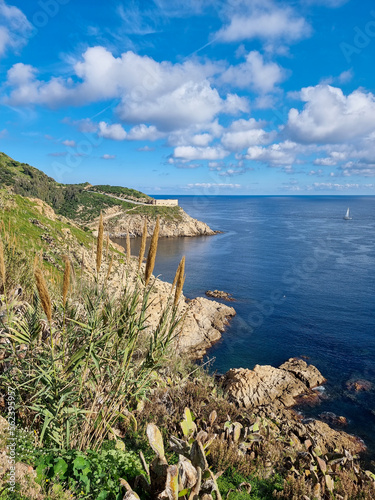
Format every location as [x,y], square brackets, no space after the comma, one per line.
[303,280]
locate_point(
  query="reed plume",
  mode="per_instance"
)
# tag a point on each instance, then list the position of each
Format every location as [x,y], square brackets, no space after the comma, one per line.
[143,246]
[106,246]
[128,250]
[2,263]
[66,280]
[109,269]
[176,276]
[45,299]
[180,281]
[99,247]
[150,263]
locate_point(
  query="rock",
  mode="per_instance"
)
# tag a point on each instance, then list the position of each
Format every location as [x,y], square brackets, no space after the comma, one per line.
[319,433]
[308,374]
[118,222]
[265,384]
[328,439]
[333,419]
[359,385]
[202,326]
[262,386]
[217,294]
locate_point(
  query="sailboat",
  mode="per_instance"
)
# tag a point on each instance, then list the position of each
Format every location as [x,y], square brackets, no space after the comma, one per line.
[347,215]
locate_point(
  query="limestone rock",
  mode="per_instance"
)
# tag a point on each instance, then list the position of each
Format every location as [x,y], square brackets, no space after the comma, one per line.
[218,294]
[119,222]
[261,386]
[308,374]
[265,384]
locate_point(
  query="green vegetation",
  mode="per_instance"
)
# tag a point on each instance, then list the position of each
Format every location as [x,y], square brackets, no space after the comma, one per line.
[75,201]
[121,192]
[104,404]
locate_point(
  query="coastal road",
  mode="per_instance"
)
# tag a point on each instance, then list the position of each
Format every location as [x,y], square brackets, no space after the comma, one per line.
[118,198]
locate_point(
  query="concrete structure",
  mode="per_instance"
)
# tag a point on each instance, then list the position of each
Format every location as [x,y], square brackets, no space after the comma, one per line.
[165,203]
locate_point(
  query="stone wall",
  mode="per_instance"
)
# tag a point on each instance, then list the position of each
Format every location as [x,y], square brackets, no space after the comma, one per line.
[165,203]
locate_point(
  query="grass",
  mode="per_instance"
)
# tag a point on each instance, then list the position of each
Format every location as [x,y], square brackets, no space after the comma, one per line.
[73,200]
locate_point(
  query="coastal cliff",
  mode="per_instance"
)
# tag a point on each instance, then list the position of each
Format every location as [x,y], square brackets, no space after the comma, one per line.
[177,223]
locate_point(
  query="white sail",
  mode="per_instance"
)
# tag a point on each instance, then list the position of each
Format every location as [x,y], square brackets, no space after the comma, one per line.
[347,215]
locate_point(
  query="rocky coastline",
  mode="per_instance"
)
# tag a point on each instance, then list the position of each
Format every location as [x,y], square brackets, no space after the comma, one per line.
[118,224]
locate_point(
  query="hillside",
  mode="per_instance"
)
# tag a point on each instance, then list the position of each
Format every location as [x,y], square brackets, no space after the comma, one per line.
[83,203]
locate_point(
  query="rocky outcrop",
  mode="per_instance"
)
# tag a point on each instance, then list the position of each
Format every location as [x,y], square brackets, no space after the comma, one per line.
[118,223]
[359,385]
[300,431]
[204,321]
[218,294]
[266,385]
[270,392]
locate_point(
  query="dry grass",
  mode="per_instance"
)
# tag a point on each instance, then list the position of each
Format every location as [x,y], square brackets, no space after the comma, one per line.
[180,279]
[99,247]
[2,264]
[150,264]
[128,249]
[109,269]
[44,296]
[66,280]
[143,246]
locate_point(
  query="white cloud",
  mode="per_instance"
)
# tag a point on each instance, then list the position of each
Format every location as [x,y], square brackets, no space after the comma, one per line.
[190,153]
[245,133]
[15,29]
[3,133]
[265,21]
[275,155]
[69,144]
[212,185]
[108,157]
[254,74]
[144,133]
[169,96]
[331,117]
[114,131]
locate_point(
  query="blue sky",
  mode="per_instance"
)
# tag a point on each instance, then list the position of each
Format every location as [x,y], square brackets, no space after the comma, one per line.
[200,97]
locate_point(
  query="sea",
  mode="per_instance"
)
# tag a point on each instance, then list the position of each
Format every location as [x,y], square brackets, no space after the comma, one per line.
[303,280]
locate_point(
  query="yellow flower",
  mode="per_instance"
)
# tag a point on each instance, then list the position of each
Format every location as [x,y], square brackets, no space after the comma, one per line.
[47,480]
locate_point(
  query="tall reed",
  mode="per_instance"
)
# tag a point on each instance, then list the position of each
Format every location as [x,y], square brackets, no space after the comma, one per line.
[180,281]
[44,296]
[128,249]
[109,269]
[99,246]
[150,264]
[2,265]
[143,246]
[176,276]
[66,280]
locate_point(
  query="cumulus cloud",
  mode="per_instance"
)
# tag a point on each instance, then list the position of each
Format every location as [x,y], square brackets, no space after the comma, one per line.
[329,116]
[69,143]
[114,131]
[190,153]
[274,155]
[15,29]
[144,133]
[169,96]
[266,21]
[254,74]
[245,133]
